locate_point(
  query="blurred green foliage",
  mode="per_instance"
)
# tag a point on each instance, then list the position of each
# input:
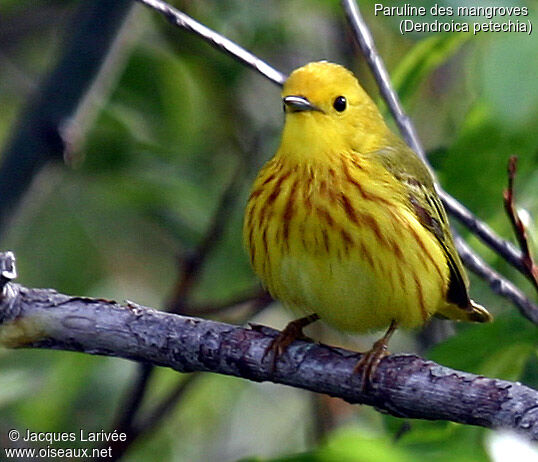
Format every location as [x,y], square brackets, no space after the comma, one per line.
[178,120]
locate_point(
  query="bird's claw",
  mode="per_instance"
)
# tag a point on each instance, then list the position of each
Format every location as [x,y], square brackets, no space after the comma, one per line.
[293,331]
[367,365]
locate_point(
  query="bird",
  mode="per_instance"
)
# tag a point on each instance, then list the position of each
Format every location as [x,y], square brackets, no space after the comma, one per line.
[344,222]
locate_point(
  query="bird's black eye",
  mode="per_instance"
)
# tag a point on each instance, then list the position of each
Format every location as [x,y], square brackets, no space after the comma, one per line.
[340,103]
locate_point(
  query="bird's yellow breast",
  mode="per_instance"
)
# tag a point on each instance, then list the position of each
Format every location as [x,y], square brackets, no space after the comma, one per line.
[336,237]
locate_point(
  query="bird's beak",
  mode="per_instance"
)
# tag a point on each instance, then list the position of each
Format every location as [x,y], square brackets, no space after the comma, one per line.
[299,104]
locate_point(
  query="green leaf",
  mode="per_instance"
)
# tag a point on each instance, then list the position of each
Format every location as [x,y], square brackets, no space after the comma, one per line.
[515,103]
[14,384]
[422,59]
[350,446]
[476,348]
[508,362]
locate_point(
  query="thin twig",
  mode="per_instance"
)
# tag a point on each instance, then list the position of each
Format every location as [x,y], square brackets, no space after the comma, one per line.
[162,409]
[149,421]
[375,62]
[323,419]
[519,228]
[133,399]
[498,284]
[255,297]
[480,229]
[404,385]
[218,41]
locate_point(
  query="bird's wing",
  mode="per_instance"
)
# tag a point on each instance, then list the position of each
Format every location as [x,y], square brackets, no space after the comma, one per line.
[424,202]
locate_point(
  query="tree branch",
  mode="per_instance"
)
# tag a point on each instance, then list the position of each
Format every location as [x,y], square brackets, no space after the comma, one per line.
[147,423]
[216,40]
[375,62]
[460,212]
[256,298]
[404,385]
[498,284]
[531,270]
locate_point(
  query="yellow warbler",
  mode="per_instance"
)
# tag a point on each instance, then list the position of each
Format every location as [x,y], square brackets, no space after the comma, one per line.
[344,222]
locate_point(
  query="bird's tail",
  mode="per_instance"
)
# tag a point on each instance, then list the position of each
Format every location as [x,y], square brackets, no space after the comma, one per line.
[473,313]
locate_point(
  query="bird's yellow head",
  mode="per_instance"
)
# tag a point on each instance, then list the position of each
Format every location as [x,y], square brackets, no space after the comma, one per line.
[328,111]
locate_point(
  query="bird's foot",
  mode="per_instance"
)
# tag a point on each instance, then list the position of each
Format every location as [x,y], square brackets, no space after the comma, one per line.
[369,362]
[367,365]
[293,331]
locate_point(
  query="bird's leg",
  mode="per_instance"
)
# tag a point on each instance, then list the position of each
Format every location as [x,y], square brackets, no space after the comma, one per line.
[367,365]
[292,332]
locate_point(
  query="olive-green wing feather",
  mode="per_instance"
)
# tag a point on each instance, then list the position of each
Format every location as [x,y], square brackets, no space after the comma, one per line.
[407,168]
